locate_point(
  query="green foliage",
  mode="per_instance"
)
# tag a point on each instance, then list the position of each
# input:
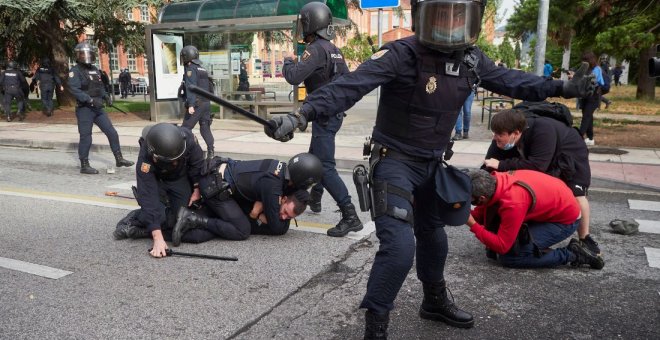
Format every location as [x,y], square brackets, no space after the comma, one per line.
[489,49]
[357,49]
[506,53]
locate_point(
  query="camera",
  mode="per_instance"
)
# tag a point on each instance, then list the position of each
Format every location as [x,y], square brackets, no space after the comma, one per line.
[654,64]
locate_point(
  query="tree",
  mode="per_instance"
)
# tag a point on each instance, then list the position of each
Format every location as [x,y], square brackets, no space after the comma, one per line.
[33,29]
[518,53]
[626,30]
[506,53]
[357,49]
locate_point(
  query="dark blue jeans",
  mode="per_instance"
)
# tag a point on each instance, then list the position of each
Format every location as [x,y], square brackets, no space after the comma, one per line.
[543,235]
[397,237]
[323,147]
[87,117]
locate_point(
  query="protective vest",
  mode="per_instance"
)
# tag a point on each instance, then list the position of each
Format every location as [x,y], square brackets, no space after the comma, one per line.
[423,113]
[245,175]
[12,79]
[202,78]
[335,66]
[91,82]
[45,77]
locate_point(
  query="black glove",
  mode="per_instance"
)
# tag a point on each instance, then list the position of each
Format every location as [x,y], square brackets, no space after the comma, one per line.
[282,127]
[108,100]
[582,85]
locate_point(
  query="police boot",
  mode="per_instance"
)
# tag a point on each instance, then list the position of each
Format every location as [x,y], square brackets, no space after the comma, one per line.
[375,325]
[85,168]
[128,227]
[438,307]
[186,220]
[349,222]
[120,161]
[315,201]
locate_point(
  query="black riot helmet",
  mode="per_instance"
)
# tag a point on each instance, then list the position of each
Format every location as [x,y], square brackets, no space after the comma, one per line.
[188,54]
[45,62]
[447,25]
[85,53]
[165,142]
[315,18]
[12,65]
[304,170]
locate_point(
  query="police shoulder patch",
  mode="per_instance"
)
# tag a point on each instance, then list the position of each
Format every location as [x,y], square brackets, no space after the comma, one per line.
[145,167]
[378,54]
[71,75]
[306,55]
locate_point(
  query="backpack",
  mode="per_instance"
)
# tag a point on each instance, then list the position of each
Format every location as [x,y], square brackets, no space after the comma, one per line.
[607,78]
[556,111]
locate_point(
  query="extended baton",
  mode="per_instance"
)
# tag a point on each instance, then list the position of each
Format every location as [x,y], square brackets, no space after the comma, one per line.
[118,109]
[210,96]
[170,252]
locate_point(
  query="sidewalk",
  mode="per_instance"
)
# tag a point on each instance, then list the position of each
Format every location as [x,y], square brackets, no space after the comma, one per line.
[638,169]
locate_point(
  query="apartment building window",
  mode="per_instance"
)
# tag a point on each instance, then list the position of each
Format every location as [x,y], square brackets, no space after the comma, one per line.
[144,13]
[385,25]
[130,58]
[129,14]
[114,60]
[145,64]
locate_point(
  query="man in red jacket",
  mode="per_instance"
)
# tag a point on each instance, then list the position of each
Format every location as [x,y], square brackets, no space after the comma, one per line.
[520,214]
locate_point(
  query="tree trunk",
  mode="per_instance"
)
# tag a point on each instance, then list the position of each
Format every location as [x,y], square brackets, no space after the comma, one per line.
[53,33]
[645,84]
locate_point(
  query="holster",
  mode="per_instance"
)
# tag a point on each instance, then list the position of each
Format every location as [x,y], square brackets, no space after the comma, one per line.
[214,186]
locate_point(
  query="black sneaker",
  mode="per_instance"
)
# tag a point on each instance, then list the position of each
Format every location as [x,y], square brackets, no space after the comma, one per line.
[592,245]
[457,136]
[584,256]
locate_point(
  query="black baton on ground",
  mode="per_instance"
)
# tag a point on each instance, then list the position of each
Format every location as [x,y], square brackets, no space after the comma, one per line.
[171,252]
[210,96]
[118,109]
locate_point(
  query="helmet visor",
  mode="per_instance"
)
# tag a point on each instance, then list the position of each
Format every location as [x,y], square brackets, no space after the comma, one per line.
[85,54]
[169,158]
[448,26]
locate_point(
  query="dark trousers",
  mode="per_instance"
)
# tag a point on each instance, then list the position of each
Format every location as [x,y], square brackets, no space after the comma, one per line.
[543,236]
[10,94]
[203,116]
[47,98]
[397,237]
[226,220]
[174,194]
[323,147]
[87,117]
[125,86]
[589,106]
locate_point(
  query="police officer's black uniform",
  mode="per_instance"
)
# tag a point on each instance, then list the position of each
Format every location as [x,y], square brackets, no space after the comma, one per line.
[422,92]
[125,83]
[13,82]
[243,81]
[86,85]
[48,79]
[322,62]
[163,184]
[230,188]
[195,74]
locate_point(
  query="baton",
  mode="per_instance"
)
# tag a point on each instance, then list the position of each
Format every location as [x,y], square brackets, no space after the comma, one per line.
[170,252]
[116,194]
[118,109]
[210,96]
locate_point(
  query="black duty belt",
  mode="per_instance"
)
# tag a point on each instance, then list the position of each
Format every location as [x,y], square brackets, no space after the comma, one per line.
[386,152]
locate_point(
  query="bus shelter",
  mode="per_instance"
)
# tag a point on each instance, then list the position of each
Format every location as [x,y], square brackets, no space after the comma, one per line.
[253,35]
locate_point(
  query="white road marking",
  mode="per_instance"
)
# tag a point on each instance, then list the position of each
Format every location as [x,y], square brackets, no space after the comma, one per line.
[318,228]
[32,268]
[646,226]
[653,256]
[117,203]
[644,205]
[125,186]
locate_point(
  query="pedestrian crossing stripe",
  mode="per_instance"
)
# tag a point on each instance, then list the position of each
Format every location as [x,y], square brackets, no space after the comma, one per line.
[644,205]
[646,226]
[653,256]
[33,268]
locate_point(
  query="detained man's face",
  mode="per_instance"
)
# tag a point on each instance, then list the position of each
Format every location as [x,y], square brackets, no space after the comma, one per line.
[505,140]
[287,209]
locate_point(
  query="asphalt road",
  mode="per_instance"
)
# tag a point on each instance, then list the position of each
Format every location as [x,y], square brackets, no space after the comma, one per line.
[303,285]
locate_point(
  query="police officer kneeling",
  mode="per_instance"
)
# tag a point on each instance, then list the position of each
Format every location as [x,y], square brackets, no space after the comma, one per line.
[86,85]
[249,197]
[424,81]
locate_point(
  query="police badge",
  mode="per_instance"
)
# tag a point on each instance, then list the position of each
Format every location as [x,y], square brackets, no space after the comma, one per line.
[431,85]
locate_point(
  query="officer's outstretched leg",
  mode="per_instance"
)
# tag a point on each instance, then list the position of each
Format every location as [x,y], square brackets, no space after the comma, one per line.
[187,220]
[85,118]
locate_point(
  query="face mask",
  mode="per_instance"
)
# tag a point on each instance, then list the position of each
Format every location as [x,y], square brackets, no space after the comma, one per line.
[510,144]
[457,35]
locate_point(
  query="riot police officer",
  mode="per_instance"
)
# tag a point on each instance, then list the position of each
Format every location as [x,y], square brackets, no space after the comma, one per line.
[168,170]
[47,79]
[424,81]
[320,64]
[199,108]
[13,82]
[249,197]
[86,85]
[124,82]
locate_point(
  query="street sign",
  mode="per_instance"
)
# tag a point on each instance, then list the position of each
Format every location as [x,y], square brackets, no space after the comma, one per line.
[372,4]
